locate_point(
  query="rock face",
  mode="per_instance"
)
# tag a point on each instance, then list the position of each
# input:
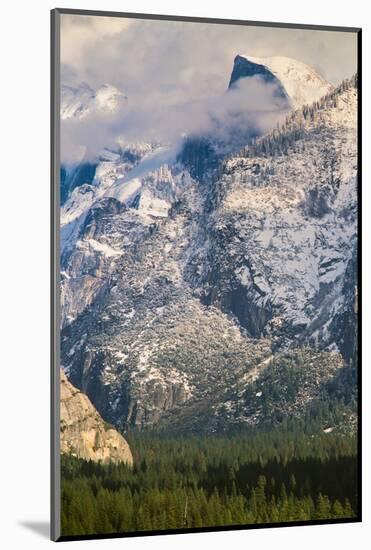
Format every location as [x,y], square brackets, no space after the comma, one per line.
[244,68]
[187,285]
[283,236]
[293,79]
[84,433]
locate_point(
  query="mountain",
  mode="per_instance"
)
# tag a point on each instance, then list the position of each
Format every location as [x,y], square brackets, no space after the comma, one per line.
[82,101]
[84,434]
[201,292]
[283,235]
[142,191]
[294,80]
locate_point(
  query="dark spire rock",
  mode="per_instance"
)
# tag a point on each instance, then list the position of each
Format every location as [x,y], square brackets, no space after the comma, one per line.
[243,68]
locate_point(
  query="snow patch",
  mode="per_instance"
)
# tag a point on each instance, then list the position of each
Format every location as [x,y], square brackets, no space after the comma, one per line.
[302,84]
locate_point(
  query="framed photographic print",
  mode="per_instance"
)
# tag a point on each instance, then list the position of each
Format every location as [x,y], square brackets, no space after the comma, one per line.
[205,274]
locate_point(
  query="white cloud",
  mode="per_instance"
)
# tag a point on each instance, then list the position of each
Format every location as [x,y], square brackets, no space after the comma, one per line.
[253,106]
[175,74]
[81,33]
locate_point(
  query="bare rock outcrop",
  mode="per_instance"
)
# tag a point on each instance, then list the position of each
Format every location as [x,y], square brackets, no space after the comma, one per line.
[84,433]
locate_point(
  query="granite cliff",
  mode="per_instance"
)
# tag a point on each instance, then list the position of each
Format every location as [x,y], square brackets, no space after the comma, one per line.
[84,433]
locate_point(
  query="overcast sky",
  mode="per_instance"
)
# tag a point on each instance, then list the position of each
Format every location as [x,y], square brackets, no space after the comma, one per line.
[164,65]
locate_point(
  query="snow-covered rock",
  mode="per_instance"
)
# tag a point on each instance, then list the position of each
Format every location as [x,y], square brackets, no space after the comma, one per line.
[188,280]
[284,234]
[298,81]
[82,101]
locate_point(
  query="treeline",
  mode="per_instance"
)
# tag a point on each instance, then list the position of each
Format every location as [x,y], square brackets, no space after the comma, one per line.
[200,482]
[279,140]
[280,391]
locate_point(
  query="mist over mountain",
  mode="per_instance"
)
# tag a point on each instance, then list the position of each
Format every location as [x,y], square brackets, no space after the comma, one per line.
[208,253]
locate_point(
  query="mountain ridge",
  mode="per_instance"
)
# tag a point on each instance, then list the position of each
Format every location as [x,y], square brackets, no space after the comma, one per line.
[257,257]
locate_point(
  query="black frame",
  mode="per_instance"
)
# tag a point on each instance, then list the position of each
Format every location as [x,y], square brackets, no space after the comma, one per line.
[55,493]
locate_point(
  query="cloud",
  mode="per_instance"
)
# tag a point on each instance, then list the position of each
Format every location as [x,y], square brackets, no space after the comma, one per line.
[132,52]
[81,34]
[250,108]
[175,74]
